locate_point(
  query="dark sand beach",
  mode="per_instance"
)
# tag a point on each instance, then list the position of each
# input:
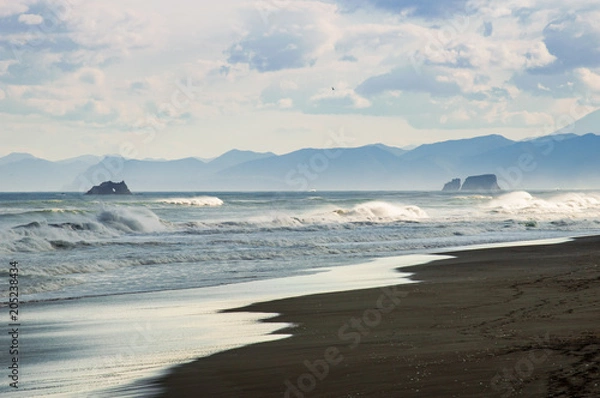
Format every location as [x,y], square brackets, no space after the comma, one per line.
[518,321]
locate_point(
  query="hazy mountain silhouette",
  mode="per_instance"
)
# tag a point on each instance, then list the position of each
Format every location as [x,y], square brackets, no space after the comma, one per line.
[15,157]
[589,123]
[163,175]
[28,173]
[369,167]
[234,157]
[85,159]
[547,162]
[391,149]
[564,160]
[456,149]
[143,175]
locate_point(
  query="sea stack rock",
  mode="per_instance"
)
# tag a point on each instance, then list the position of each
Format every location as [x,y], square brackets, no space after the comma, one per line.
[485,182]
[452,186]
[110,188]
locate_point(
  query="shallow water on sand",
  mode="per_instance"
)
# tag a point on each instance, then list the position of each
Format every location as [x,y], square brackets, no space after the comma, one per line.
[100,346]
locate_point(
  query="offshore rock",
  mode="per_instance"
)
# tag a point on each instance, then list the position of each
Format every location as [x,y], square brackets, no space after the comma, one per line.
[452,186]
[110,188]
[485,182]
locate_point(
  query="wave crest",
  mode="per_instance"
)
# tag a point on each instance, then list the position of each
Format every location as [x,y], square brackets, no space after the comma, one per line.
[378,211]
[197,201]
[41,236]
[131,220]
[568,205]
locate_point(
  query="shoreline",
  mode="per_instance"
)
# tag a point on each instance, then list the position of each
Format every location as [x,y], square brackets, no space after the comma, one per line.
[313,271]
[491,322]
[130,340]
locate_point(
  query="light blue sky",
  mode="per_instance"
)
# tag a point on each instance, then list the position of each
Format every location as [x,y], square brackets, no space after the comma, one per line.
[170,79]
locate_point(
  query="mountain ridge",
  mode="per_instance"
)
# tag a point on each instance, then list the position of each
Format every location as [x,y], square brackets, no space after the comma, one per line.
[544,162]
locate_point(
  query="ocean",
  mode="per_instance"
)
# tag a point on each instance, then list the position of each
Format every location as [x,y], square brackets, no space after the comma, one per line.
[92,268]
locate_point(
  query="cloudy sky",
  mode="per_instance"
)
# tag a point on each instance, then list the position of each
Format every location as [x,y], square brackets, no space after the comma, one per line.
[170,79]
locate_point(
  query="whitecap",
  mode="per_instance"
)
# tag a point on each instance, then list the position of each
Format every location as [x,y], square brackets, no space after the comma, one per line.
[197,201]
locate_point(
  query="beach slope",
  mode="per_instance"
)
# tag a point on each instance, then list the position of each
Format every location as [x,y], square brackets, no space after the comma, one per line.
[512,321]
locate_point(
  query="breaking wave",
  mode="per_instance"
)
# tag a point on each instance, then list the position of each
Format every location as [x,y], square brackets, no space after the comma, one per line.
[40,236]
[567,205]
[198,201]
[131,220]
[473,197]
[377,211]
[156,242]
[96,228]
[327,217]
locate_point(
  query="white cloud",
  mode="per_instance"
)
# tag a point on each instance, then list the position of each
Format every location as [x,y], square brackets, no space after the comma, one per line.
[116,31]
[285,103]
[109,65]
[342,96]
[542,87]
[589,78]
[78,95]
[459,115]
[288,85]
[4,65]
[31,19]
[12,7]
[292,34]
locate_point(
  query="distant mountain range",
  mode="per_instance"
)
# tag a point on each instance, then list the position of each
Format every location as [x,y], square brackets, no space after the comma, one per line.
[562,160]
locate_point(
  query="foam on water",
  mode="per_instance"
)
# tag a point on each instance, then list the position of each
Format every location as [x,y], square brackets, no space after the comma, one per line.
[197,201]
[131,220]
[79,229]
[368,212]
[378,211]
[474,197]
[157,241]
[567,205]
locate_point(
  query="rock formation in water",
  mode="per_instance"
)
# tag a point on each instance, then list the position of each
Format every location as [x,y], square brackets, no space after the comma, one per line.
[110,188]
[452,186]
[485,182]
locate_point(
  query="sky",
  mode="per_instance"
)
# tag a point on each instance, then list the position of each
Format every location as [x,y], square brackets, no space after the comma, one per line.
[178,78]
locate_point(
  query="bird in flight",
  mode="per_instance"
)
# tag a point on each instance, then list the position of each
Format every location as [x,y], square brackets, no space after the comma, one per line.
[332,88]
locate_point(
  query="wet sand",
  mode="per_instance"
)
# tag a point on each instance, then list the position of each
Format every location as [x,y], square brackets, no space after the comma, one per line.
[516,321]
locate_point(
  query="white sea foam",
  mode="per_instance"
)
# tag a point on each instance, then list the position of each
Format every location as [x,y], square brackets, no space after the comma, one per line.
[115,245]
[368,212]
[378,211]
[473,197]
[50,285]
[197,201]
[72,267]
[131,220]
[567,205]
[80,229]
